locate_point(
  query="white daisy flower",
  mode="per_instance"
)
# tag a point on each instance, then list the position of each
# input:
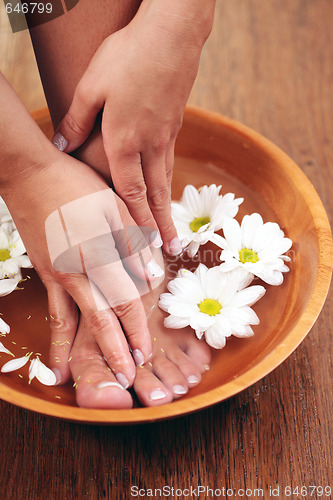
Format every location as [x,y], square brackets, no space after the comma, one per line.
[4,328]
[43,374]
[200,213]
[11,252]
[255,247]
[212,303]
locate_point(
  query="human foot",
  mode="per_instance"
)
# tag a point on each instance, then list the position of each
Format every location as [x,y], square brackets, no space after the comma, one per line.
[178,362]
[95,384]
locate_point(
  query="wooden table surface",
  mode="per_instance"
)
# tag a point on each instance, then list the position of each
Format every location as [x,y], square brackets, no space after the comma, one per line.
[268,64]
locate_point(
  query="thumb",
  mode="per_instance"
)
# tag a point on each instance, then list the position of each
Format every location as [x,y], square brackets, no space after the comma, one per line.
[77,124]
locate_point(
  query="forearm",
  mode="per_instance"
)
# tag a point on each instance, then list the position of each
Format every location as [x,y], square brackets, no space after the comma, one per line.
[22,144]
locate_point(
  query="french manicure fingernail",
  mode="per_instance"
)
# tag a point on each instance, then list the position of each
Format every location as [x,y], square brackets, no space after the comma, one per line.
[59,141]
[157,394]
[179,389]
[175,246]
[138,357]
[206,368]
[156,240]
[154,269]
[101,385]
[122,379]
[192,379]
[57,373]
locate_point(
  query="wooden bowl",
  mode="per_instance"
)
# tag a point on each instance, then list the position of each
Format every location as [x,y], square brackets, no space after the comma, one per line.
[210,149]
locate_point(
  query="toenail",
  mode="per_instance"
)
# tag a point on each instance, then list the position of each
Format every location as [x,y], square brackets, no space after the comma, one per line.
[192,379]
[138,357]
[57,373]
[157,394]
[179,389]
[101,385]
[206,368]
[122,379]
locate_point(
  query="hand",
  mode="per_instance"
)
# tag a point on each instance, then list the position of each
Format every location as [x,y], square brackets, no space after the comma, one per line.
[89,210]
[141,76]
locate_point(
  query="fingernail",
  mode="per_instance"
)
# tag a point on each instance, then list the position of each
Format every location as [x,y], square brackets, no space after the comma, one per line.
[101,385]
[192,379]
[57,373]
[179,389]
[154,269]
[59,141]
[206,368]
[157,394]
[122,379]
[156,240]
[175,247]
[138,357]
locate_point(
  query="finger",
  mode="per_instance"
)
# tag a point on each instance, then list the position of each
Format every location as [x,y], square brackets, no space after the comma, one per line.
[95,384]
[124,298]
[79,120]
[154,167]
[104,324]
[133,244]
[63,323]
[126,172]
[169,163]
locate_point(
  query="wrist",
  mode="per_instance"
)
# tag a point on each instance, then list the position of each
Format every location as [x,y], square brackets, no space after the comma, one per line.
[187,20]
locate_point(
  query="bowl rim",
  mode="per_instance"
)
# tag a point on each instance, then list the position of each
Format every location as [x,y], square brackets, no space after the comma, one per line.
[265,366]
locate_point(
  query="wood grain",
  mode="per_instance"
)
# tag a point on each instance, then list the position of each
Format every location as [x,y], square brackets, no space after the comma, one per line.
[268,65]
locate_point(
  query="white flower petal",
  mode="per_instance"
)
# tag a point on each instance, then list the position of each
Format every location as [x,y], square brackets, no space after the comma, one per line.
[8,285]
[192,249]
[33,369]
[14,364]
[250,225]
[191,200]
[5,350]
[23,261]
[45,375]
[214,337]
[232,234]
[248,296]
[176,322]
[243,331]
[4,327]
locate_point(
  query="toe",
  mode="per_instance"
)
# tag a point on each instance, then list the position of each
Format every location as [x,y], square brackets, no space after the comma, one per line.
[200,353]
[150,389]
[95,384]
[187,366]
[170,375]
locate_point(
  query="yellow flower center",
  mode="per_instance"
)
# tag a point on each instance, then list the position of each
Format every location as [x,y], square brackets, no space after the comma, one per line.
[248,255]
[197,223]
[4,254]
[210,307]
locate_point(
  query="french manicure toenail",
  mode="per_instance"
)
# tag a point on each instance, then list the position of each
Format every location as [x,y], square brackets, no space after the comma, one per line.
[138,357]
[57,373]
[192,379]
[175,246]
[206,368]
[179,389]
[157,394]
[122,379]
[101,385]
[156,240]
[59,141]
[154,269]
